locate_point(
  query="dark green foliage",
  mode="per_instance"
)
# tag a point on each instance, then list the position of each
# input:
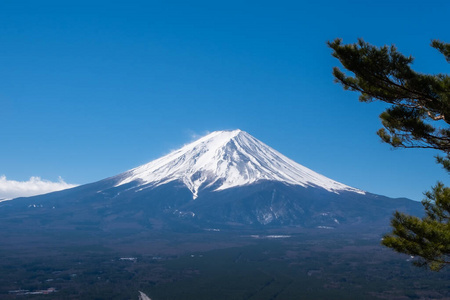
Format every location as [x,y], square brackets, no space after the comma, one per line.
[313,264]
[429,237]
[443,48]
[419,101]
[419,117]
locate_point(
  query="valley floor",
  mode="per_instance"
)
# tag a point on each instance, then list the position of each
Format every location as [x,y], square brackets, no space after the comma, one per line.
[313,264]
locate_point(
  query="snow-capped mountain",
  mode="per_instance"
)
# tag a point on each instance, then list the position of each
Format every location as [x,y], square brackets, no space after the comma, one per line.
[225,179]
[227,159]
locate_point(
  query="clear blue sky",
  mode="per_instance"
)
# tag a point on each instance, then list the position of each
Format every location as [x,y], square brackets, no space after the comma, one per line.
[90,89]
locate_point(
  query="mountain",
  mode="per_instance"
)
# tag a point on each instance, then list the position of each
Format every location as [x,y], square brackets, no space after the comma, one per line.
[227,179]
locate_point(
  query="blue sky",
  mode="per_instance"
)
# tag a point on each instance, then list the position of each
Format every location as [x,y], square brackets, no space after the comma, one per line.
[90,89]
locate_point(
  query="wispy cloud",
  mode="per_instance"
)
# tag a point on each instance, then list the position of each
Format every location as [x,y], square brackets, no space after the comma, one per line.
[195,135]
[10,189]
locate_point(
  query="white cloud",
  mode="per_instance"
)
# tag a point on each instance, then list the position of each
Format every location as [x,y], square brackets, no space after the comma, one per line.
[195,136]
[10,189]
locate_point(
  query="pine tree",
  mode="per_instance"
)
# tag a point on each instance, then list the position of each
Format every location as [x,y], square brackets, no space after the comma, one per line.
[418,117]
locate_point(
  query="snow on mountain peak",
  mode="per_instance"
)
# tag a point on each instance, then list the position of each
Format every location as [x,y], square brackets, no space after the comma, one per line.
[227,159]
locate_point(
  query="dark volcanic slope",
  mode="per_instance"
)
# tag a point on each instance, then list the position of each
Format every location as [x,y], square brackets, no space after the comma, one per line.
[265,204]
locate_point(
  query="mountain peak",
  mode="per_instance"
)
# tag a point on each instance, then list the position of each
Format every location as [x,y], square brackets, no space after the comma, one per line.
[227,159]
[222,135]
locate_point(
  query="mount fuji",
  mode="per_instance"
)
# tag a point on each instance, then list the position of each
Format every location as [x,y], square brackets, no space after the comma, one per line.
[225,179]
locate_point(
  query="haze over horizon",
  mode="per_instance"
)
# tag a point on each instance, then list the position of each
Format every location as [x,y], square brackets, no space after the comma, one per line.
[92,89]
